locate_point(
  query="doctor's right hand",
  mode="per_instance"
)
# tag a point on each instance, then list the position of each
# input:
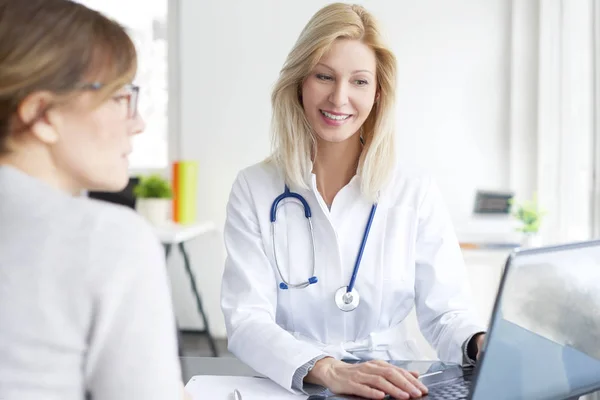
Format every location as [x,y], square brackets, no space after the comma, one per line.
[371,379]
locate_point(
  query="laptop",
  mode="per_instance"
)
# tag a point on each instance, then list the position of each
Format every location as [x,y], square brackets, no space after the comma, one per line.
[543,341]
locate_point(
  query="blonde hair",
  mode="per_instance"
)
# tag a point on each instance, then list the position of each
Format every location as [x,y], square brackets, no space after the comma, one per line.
[293,138]
[58,46]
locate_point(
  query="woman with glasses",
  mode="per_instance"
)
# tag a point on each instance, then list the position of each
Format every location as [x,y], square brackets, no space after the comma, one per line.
[85,306]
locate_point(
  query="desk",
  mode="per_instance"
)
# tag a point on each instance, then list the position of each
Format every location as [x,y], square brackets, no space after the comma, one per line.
[220,366]
[230,366]
[177,235]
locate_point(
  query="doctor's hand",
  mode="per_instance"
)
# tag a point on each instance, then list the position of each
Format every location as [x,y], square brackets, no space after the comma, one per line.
[371,379]
[479,340]
[185,394]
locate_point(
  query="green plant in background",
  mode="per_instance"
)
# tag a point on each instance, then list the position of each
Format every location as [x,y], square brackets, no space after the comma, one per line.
[529,214]
[153,187]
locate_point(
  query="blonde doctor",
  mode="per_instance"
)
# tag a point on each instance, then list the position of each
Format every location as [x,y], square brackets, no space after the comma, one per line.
[330,244]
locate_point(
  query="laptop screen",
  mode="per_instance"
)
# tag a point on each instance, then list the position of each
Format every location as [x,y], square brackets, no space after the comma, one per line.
[544,341]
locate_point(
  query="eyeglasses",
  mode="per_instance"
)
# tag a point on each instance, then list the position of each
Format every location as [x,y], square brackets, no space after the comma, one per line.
[132,94]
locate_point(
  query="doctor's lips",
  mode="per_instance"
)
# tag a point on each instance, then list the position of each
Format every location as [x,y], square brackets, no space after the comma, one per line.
[333,118]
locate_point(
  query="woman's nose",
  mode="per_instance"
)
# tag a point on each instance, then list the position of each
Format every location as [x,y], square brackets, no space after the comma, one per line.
[139,125]
[339,95]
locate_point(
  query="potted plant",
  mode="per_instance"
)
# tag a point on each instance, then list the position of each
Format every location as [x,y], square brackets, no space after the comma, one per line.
[153,196]
[530,217]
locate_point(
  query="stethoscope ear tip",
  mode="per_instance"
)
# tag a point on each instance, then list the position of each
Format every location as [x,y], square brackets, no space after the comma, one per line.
[283,286]
[313,279]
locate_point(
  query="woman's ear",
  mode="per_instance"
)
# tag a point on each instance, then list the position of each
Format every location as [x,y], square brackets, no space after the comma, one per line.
[32,114]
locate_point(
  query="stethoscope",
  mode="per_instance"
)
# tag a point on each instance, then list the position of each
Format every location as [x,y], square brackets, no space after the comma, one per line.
[346,297]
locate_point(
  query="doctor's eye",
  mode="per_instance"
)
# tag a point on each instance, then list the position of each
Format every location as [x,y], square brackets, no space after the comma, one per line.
[361,82]
[324,77]
[120,98]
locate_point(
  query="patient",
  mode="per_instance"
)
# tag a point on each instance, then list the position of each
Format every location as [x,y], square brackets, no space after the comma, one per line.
[85,307]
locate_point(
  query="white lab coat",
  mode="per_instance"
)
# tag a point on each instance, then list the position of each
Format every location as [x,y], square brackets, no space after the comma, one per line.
[412,258]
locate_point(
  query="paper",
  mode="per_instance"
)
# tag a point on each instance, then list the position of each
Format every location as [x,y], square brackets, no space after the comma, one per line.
[203,387]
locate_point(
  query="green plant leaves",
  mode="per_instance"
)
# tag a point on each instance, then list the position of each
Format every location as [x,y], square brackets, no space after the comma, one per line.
[154,187]
[530,216]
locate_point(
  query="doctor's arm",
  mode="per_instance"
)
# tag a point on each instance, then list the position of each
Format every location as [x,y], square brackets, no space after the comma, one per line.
[249,298]
[442,292]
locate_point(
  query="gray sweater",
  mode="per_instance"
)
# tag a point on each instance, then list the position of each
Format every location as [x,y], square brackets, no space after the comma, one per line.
[85,306]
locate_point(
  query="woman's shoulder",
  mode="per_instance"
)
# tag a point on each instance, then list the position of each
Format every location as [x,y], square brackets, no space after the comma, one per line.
[263,171]
[408,185]
[260,179]
[115,224]
[121,242]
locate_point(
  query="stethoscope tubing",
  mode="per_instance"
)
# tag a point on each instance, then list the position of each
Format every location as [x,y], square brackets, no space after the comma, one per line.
[287,194]
[362,248]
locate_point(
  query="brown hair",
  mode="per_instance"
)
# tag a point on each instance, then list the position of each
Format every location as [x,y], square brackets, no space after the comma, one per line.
[58,46]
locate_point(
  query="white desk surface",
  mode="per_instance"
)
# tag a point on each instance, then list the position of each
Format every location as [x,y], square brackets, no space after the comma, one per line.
[173,233]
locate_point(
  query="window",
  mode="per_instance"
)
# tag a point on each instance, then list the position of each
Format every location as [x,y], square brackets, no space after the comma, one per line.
[146,22]
[596,126]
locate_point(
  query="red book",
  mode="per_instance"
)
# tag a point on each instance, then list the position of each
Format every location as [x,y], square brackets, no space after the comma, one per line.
[176,192]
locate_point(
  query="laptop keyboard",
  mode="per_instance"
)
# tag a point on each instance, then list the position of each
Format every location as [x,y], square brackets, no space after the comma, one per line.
[452,391]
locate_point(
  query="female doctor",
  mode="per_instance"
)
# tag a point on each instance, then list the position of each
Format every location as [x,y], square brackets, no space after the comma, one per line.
[330,244]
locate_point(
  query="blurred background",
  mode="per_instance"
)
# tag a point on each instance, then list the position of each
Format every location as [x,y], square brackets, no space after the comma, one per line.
[497,99]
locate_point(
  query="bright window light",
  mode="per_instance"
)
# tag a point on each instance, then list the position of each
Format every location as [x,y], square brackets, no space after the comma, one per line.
[146,22]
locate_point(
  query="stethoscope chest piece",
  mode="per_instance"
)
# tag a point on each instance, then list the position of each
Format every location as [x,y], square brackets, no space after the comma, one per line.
[347,301]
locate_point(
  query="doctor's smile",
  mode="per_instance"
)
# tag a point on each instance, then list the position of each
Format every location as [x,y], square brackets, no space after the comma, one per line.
[335,119]
[330,242]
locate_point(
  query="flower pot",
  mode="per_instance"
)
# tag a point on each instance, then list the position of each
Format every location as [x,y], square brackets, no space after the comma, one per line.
[156,211]
[531,240]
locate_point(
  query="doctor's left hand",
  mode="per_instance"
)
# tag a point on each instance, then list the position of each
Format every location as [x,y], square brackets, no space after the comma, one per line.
[371,380]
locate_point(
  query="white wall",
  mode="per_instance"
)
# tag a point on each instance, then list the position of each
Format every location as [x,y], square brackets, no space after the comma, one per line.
[452,111]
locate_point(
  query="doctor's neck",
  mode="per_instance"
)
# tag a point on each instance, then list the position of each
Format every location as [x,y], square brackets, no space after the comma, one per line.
[335,164]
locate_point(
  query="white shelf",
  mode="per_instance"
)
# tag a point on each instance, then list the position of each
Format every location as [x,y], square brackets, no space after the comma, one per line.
[173,233]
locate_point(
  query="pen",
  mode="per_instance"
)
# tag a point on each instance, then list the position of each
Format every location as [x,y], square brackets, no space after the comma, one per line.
[430,374]
[237,395]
